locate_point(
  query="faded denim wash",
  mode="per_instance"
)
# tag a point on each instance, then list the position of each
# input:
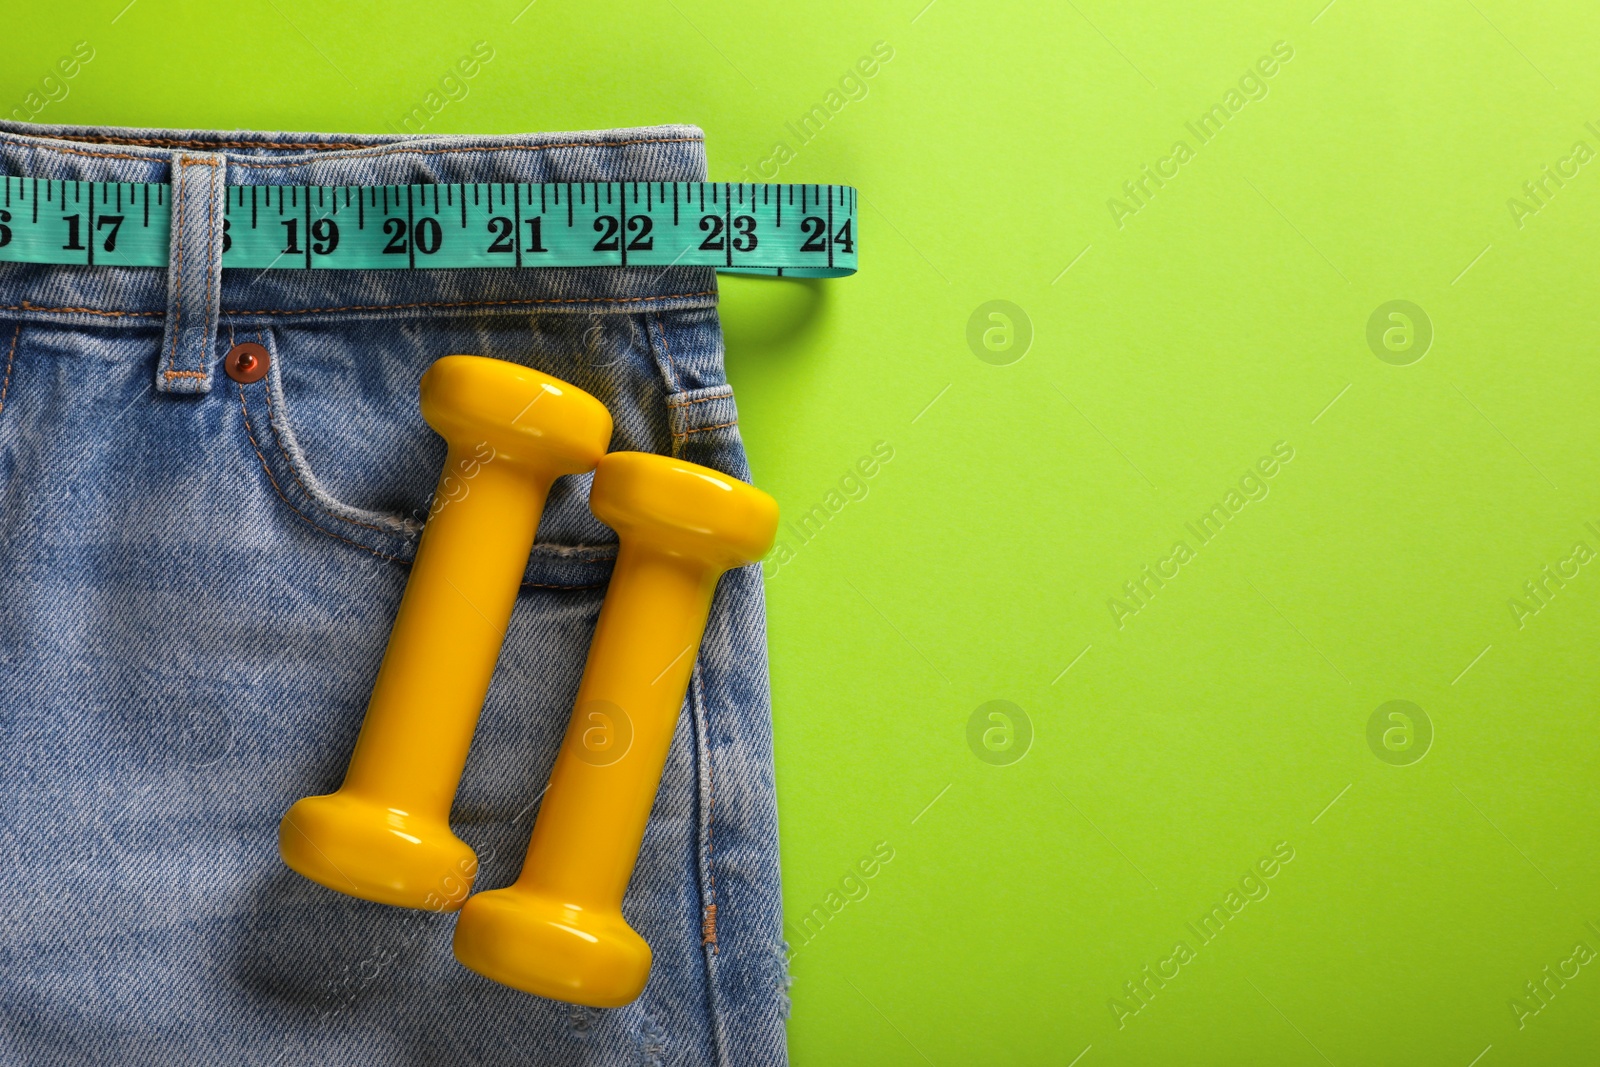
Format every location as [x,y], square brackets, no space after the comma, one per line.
[197,579]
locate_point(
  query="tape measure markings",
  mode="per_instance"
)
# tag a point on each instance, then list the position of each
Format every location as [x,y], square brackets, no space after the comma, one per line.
[735,227]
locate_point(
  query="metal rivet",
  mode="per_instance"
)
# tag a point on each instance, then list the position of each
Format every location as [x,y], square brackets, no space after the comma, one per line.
[247,362]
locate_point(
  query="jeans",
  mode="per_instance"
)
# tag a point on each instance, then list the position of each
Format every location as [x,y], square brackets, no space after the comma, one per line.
[197,580]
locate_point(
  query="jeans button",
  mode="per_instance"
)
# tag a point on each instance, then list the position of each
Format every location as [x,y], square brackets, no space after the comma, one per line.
[247,362]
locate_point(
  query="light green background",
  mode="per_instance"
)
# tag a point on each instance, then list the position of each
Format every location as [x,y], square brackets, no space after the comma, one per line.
[1224,316]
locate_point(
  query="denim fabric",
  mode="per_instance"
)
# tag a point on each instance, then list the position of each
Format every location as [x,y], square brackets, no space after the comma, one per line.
[197,579]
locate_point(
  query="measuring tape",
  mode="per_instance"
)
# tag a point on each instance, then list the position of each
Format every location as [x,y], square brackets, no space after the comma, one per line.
[806,231]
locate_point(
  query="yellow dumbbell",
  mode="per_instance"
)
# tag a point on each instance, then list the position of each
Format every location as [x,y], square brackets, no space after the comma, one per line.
[559,931]
[385,835]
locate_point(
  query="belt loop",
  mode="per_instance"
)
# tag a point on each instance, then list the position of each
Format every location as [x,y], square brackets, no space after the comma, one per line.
[194,272]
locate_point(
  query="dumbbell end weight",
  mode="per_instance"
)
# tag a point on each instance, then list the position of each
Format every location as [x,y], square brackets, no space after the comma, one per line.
[359,847]
[551,948]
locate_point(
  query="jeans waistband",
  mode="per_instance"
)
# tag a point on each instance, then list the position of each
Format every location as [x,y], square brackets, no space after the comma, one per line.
[190,296]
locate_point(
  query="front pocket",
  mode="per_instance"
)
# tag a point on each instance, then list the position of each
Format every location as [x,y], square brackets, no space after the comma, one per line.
[340,440]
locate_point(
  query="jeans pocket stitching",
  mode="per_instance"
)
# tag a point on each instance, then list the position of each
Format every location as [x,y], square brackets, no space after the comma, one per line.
[266,468]
[708,920]
[294,470]
[11,356]
[395,542]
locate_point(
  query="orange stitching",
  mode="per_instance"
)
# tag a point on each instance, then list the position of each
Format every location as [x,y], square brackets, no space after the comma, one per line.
[703,429]
[269,146]
[397,151]
[708,927]
[667,349]
[288,461]
[92,155]
[243,407]
[9,357]
[481,148]
[272,425]
[177,275]
[381,555]
[699,400]
[211,226]
[284,452]
[175,142]
[212,272]
[26,306]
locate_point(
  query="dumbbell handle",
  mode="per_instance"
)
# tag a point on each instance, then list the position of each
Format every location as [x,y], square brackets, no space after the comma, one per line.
[592,818]
[447,634]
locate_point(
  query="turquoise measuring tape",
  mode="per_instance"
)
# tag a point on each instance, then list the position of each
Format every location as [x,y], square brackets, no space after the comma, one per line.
[805,231]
